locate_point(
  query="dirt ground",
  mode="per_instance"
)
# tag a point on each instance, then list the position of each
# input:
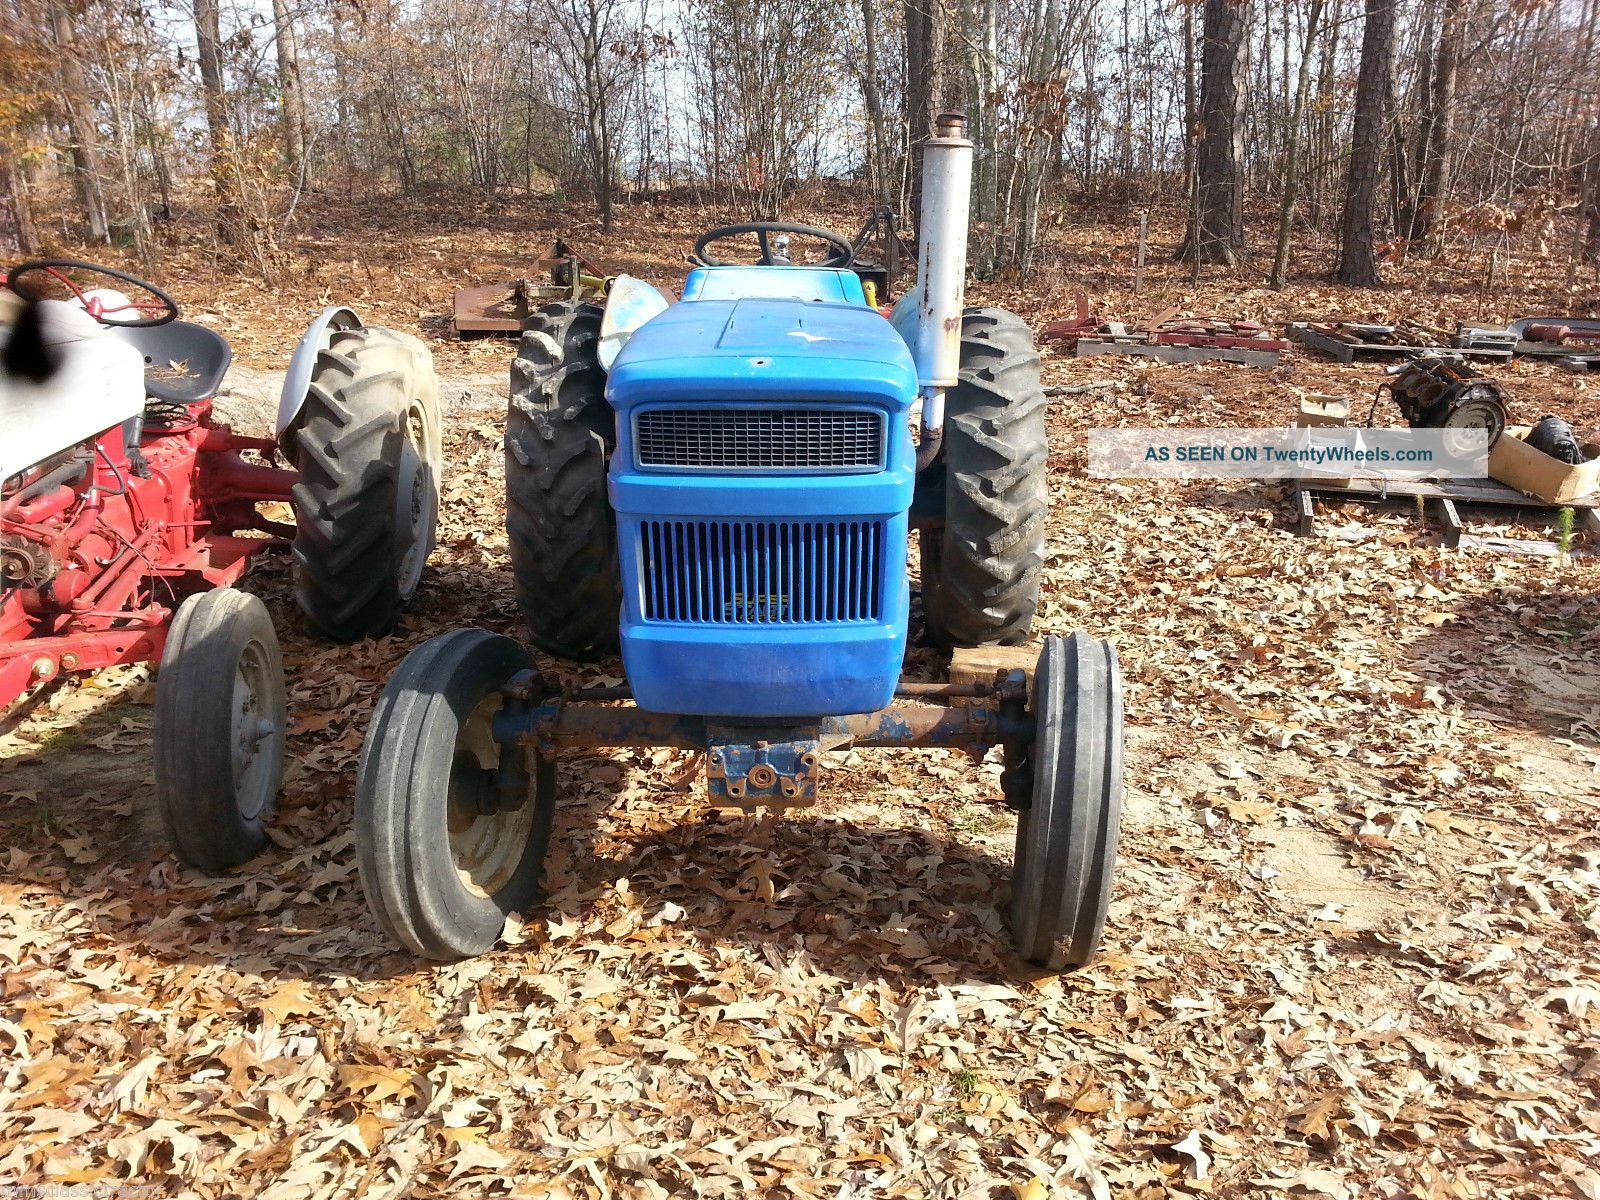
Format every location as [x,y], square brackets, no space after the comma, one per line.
[1351,953]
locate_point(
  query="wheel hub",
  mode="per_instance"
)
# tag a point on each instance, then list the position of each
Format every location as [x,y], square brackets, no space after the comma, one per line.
[487,837]
[253,734]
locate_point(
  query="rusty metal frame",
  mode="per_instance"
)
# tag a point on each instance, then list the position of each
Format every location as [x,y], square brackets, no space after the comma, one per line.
[767,763]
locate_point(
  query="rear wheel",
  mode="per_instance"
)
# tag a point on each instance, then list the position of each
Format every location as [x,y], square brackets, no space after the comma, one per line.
[980,573]
[560,431]
[367,444]
[450,836]
[219,729]
[1067,836]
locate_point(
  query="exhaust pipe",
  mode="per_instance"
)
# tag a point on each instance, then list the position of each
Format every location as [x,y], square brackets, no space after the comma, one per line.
[941,272]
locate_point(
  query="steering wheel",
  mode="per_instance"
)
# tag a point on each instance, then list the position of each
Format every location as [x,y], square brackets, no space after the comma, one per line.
[840,252]
[161,311]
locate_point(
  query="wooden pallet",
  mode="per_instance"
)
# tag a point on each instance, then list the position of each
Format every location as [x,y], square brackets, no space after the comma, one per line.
[1348,352]
[1443,501]
[1164,352]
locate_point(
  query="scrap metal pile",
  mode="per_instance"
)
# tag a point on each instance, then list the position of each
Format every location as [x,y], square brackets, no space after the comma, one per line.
[1167,336]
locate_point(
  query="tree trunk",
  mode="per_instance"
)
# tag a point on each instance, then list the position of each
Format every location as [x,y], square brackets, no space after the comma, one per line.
[14,196]
[1439,122]
[289,91]
[1191,101]
[872,97]
[208,42]
[924,89]
[1291,164]
[1219,166]
[986,190]
[88,172]
[1358,259]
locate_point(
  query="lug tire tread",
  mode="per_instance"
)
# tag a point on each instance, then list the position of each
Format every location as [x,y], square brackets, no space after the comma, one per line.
[981,582]
[348,547]
[560,431]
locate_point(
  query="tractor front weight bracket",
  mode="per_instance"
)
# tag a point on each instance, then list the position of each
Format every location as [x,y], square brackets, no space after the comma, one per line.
[765,765]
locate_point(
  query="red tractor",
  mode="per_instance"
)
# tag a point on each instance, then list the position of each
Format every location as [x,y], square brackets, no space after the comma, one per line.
[127,511]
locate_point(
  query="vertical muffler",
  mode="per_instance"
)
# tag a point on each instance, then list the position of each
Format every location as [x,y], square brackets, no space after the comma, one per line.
[929,316]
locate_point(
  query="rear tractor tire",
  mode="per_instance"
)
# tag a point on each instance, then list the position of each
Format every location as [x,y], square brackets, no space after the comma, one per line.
[560,431]
[980,573]
[368,447]
[219,729]
[447,841]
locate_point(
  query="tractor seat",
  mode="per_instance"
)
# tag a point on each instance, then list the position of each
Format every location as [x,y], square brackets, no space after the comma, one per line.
[184,363]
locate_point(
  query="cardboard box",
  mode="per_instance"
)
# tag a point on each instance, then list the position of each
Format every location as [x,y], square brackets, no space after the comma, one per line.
[1534,473]
[1321,412]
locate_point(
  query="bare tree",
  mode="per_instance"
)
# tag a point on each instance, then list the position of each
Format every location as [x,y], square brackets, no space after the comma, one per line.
[208,46]
[89,172]
[290,96]
[1218,227]
[1291,163]
[1439,121]
[872,98]
[587,34]
[1358,259]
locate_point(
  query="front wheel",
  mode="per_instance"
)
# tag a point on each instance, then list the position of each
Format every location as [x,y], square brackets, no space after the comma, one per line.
[219,729]
[450,836]
[1067,837]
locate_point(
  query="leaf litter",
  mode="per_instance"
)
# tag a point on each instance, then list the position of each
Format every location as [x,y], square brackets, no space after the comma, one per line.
[1351,951]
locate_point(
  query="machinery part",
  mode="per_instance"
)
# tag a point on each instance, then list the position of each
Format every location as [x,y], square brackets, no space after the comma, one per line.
[559,434]
[1553,333]
[504,308]
[165,310]
[980,573]
[557,725]
[929,315]
[451,827]
[1444,393]
[184,363]
[219,729]
[879,274]
[303,364]
[1067,837]
[749,771]
[630,303]
[24,563]
[1553,436]
[367,444]
[841,253]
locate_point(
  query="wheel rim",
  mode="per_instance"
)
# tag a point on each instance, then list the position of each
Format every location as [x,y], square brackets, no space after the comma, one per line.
[416,501]
[487,848]
[255,733]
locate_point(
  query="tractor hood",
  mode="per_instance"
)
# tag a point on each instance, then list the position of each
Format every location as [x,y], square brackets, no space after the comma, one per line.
[752,348]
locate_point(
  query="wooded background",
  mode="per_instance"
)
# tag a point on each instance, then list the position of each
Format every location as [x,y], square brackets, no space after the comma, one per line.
[1391,125]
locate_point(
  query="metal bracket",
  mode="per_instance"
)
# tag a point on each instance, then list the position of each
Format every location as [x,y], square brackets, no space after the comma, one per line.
[760,773]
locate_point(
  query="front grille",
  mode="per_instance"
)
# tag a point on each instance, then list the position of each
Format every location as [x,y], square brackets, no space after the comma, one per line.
[759,439]
[762,572]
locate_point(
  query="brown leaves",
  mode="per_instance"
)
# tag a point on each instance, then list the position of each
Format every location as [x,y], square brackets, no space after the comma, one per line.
[1347,941]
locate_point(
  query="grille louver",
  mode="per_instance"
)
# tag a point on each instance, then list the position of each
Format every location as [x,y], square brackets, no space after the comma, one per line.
[759,439]
[762,572]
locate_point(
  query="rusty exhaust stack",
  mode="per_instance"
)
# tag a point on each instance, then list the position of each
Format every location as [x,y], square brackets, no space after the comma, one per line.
[941,272]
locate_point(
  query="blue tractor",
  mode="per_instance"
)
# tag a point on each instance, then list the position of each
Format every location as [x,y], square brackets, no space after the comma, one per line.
[723,488]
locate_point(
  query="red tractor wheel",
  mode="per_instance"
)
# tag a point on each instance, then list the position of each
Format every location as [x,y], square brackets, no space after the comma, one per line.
[219,729]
